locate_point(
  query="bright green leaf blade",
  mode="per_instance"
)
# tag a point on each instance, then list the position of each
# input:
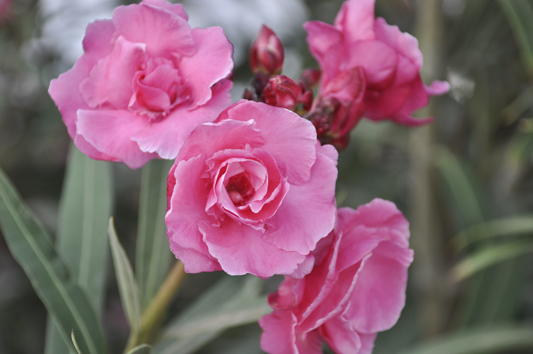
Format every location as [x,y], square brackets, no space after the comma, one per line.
[153,253]
[479,341]
[231,302]
[141,349]
[31,246]
[127,286]
[519,14]
[82,240]
[488,256]
[512,226]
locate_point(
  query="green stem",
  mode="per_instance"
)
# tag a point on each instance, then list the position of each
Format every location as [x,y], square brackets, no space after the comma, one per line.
[152,316]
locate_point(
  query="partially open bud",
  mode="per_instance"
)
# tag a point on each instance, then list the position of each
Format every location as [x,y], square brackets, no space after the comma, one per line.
[282,91]
[266,53]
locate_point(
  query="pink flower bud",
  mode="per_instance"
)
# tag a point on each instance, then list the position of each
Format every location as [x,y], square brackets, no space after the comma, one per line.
[310,77]
[282,91]
[266,53]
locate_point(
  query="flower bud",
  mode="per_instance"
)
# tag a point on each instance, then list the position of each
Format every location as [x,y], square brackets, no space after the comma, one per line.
[282,91]
[310,77]
[266,53]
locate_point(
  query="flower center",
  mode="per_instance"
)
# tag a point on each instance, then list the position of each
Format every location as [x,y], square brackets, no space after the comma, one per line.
[239,189]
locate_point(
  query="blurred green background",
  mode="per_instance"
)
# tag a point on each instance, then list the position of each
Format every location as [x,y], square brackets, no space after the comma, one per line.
[465,182]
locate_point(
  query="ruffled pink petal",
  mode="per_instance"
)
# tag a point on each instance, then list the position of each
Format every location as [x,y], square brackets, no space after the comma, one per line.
[211,63]
[278,333]
[403,43]
[379,295]
[288,138]
[340,336]
[378,60]
[438,88]
[367,342]
[328,151]
[356,20]
[209,138]
[240,249]
[97,42]
[174,8]
[110,82]
[165,137]
[307,213]
[326,45]
[164,33]
[110,132]
[284,298]
[186,206]
[378,214]
[309,342]
[387,103]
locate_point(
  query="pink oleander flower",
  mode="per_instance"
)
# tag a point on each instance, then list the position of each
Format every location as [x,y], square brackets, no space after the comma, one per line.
[356,288]
[391,61]
[144,82]
[252,192]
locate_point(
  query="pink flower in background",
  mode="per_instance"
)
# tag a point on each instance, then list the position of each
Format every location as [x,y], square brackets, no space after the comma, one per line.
[356,288]
[251,193]
[391,61]
[145,81]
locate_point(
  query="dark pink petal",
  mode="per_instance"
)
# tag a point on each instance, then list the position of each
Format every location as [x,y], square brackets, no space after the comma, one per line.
[437,88]
[278,333]
[356,20]
[409,121]
[309,342]
[110,83]
[174,8]
[326,45]
[110,132]
[386,103]
[209,138]
[378,60]
[240,249]
[211,63]
[165,137]
[340,336]
[367,343]
[288,138]
[379,295]
[378,214]
[164,33]
[284,298]
[186,207]
[403,43]
[307,213]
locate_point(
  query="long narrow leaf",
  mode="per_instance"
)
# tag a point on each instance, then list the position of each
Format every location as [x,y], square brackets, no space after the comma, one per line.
[127,286]
[85,208]
[485,340]
[153,253]
[489,256]
[31,246]
[519,14]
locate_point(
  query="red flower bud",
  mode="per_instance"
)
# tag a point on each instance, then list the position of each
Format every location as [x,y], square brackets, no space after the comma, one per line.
[282,91]
[266,53]
[310,77]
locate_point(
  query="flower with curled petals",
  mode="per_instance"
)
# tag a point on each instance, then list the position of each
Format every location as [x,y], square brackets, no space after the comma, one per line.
[144,82]
[252,192]
[356,288]
[390,59]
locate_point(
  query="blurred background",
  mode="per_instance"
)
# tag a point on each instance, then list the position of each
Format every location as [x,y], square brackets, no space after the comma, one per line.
[465,182]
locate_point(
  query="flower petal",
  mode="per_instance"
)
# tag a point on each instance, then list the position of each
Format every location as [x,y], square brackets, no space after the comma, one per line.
[340,336]
[177,9]
[356,20]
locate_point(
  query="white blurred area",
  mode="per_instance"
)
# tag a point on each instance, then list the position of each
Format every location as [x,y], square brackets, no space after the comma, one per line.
[65,22]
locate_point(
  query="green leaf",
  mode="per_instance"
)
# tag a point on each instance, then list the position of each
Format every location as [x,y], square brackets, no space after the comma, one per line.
[141,349]
[489,256]
[76,346]
[512,226]
[127,286]
[85,208]
[233,301]
[485,340]
[519,14]
[31,246]
[153,253]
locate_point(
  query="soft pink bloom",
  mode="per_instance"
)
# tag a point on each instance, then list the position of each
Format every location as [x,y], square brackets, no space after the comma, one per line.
[145,81]
[251,193]
[266,53]
[356,288]
[391,61]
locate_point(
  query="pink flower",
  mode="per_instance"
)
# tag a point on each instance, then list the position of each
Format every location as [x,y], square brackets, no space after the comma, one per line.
[145,81]
[391,61]
[251,193]
[356,288]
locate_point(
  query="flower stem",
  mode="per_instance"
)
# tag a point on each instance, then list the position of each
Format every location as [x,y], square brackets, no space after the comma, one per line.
[152,316]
